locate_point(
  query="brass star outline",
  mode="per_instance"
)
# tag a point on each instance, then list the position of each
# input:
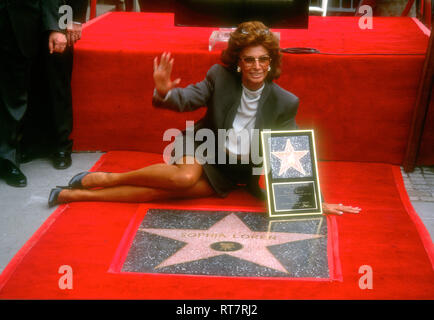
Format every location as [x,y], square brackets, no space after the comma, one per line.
[290,158]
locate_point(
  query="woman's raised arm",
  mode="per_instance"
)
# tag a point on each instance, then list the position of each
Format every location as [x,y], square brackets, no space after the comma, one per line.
[163,73]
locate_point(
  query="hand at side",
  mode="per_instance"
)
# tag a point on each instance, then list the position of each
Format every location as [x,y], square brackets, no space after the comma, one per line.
[57,42]
[73,34]
[339,209]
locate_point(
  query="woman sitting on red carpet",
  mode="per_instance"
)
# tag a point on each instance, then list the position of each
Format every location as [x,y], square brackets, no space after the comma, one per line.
[240,96]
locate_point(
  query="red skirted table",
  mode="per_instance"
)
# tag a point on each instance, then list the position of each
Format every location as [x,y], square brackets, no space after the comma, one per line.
[357,94]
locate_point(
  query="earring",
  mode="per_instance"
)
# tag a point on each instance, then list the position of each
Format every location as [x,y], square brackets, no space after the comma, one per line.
[238,69]
[269,68]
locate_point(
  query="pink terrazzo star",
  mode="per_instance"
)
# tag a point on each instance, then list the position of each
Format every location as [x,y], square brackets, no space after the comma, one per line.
[233,237]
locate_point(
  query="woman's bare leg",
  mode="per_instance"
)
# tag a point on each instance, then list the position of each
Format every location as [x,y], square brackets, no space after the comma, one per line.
[202,188]
[160,176]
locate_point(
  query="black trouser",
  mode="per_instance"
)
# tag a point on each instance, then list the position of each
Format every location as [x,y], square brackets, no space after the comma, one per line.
[14,81]
[48,122]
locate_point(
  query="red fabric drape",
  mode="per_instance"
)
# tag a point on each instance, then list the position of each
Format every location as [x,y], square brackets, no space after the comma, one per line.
[358,96]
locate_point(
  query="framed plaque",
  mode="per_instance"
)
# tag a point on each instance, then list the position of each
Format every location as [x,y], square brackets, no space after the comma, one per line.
[291,173]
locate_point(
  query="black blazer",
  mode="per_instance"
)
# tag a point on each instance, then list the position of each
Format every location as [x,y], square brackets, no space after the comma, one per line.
[221,93]
[29,18]
[79,9]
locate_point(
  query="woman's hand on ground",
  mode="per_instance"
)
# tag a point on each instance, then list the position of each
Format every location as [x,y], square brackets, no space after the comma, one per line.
[339,209]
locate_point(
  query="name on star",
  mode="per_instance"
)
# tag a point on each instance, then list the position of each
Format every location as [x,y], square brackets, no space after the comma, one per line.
[227,236]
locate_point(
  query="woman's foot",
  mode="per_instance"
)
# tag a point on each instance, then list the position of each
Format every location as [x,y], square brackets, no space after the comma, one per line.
[76,181]
[53,198]
[86,180]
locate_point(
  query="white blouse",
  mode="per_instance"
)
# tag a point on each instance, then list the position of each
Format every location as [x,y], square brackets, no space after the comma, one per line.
[238,138]
[240,135]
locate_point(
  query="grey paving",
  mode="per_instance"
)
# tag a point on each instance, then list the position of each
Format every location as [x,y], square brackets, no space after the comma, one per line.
[420,189]
[420,184]
[23,210]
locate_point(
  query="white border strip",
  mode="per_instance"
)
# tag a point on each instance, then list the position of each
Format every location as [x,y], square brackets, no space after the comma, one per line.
[422,27]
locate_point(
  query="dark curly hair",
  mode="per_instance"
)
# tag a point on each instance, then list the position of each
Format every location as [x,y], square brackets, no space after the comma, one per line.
[253,33]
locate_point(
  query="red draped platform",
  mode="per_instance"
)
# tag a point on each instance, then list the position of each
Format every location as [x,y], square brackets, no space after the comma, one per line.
[358,94]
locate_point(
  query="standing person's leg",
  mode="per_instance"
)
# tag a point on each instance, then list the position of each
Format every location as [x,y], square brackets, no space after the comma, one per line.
[58,68]
[35,141]
[9,168]
[14,72]
[48,121]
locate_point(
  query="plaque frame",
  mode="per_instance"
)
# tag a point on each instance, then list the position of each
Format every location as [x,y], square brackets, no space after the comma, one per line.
[313,205]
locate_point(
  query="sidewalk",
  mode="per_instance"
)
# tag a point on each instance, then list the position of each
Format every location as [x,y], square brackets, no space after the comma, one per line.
[420,189]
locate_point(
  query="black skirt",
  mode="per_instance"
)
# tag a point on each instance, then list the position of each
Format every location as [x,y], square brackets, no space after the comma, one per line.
[223,177]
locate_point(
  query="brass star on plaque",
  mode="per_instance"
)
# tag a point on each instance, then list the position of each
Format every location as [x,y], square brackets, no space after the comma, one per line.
[289,158]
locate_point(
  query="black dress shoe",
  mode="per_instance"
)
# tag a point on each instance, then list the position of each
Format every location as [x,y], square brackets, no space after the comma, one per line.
[75,182]
[61,160]
[12,174]
[53,197]
[27,157]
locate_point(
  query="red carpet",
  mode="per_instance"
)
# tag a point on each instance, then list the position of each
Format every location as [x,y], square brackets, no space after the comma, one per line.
[387,235]
[363,87]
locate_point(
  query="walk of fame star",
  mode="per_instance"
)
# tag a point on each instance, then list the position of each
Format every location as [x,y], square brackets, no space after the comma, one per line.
[230,236]
[290,158]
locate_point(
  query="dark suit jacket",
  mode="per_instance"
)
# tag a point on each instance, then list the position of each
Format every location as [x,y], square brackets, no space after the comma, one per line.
[221,92]
[79,9]
[48,121]
[29,18]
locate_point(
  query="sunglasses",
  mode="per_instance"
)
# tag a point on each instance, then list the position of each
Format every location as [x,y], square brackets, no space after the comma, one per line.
[260,32]
[250,61]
